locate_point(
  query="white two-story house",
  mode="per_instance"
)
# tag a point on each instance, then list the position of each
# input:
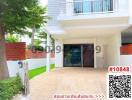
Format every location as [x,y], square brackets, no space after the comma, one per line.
[89,32]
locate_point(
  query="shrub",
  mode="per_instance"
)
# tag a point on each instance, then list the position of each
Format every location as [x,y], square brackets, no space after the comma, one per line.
[12,38]
[10,87]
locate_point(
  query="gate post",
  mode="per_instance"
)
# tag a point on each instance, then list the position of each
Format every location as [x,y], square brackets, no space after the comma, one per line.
[23,73]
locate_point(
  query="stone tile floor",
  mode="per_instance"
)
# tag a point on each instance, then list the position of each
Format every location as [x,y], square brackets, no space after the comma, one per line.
[69,81]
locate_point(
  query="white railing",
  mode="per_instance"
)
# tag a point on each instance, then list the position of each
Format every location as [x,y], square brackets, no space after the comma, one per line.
[77,7]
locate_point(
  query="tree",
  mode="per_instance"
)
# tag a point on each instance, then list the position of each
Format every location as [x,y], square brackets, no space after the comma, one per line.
[43,35]
[37,19]
[16,16]
[35,27]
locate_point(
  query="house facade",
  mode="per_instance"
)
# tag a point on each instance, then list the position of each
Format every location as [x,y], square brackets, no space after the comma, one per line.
[89,33]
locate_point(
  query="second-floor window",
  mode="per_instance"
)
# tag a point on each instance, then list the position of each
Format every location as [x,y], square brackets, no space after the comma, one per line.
[92,6]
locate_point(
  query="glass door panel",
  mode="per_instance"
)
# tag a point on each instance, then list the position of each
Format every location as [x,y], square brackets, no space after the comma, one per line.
[88,55]
[78,6]
[79,55]
[72,55]
[87,6]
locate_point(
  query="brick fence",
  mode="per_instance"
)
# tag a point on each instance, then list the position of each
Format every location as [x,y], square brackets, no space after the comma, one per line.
[126,49]
[16,51]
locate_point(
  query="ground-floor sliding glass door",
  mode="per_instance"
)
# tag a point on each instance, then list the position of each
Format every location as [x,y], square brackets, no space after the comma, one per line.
[78,55]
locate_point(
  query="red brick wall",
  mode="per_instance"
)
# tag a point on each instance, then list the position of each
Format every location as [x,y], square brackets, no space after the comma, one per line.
[37,54]
[16,51]
[126,49]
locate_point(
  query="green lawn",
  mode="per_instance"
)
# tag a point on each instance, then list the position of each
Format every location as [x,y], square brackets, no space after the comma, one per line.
[34,72]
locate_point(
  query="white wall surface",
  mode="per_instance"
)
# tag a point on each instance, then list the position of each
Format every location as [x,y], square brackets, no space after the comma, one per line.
[123,6]
[126,60]
[35,63]
[79,40]
[110,51]
[32,64]
[113,50]
[12,68]
[101,58]
[53,11]
[63,9]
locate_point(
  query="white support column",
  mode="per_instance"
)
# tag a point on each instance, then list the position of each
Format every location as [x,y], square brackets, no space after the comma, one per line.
[58,53]
[48,54]
[95,59]
[119,43]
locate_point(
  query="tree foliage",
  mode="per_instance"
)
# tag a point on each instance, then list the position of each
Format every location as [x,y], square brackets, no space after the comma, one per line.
[18,15]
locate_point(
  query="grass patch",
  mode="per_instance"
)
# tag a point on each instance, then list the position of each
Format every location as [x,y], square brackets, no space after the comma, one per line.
[52,66]
[34,72]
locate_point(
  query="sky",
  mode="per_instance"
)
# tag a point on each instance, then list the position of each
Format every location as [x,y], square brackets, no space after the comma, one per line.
[44,2]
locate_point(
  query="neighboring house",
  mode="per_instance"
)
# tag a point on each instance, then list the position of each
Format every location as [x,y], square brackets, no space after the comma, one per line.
[89,32]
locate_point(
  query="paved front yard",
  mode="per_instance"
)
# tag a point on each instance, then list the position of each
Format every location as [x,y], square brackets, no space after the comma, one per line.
[69,81]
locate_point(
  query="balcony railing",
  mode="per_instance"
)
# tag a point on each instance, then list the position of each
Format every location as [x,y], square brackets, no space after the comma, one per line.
[76,7]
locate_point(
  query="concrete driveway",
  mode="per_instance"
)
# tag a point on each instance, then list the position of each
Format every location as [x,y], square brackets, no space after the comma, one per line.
[69,83]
